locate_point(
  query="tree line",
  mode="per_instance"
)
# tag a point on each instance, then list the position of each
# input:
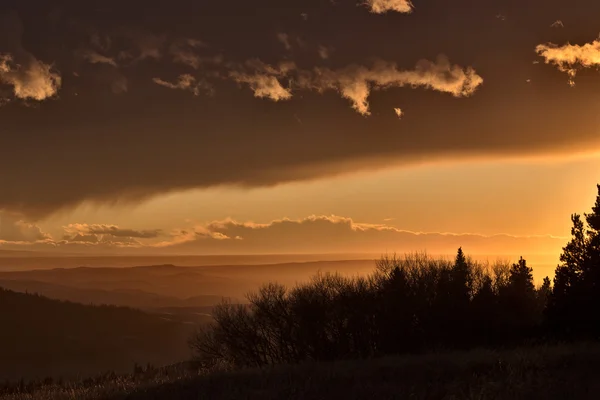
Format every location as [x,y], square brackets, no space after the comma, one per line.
[412,304]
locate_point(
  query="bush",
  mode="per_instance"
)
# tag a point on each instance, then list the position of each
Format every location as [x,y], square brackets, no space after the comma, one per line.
[409,304]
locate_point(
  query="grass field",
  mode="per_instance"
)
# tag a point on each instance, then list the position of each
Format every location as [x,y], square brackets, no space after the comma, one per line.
[538,372]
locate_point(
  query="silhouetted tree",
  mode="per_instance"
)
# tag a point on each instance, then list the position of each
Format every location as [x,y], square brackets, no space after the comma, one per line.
[409,304]
[577,280]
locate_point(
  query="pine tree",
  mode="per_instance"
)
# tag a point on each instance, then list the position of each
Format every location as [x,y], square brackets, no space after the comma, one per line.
[521,279]
[576,294]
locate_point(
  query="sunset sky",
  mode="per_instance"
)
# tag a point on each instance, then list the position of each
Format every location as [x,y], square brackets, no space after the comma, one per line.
[297,126]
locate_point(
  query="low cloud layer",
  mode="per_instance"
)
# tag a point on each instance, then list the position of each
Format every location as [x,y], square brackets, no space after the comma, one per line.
[314,234]
[569,57]
[112,230]
[15,229]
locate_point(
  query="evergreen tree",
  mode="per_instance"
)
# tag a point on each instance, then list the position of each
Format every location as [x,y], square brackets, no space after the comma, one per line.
[576,294]
[521,279]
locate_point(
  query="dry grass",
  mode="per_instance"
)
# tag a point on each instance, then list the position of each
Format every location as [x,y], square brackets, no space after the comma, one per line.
[540,372]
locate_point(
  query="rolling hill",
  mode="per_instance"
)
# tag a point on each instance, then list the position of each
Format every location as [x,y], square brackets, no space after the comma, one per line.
[40,337]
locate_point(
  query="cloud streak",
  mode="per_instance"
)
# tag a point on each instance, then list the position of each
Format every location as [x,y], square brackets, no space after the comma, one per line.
[356,82]
[313,234]
[185,82]
[112,230]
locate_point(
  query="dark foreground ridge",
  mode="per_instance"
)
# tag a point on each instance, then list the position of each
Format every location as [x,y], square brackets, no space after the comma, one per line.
[535,372]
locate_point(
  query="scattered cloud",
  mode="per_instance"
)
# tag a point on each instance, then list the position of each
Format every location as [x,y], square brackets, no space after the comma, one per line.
[557,24]
[29,77]
[399,112]
[569,57]
[264,79]
[97,58]
[356,82]
[384,6]
[113,230]
[185,52]
[186,82]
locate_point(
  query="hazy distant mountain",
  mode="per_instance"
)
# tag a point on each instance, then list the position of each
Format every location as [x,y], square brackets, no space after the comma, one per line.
[40,337]
[122,297]
[167,285]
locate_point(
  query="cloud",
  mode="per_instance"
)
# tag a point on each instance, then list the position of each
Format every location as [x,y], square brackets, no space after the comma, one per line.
[112,230]
[356,82]
[186,82]
[97,58]
[31,80]
[384,6]
[557,24]
[264,80]
[398,112]
[105,236]
[326,234]
[570,56]
[184,52]
[316,234]
[15,229]
[28,77]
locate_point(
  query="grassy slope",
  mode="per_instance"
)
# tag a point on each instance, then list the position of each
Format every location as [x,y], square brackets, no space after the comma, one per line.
[543,372]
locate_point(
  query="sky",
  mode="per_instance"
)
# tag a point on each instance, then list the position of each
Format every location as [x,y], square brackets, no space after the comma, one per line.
[304,126]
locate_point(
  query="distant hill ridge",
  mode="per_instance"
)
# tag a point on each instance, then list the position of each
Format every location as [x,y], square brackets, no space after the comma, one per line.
[43,337]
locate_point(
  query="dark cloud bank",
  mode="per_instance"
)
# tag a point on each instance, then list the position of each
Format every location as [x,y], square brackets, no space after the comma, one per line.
[123,100]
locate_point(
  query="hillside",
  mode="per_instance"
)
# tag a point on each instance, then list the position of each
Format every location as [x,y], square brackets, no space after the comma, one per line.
[538,372]
[42,337]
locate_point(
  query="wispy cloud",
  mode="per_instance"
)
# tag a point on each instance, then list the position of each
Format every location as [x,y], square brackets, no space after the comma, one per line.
[569,57]
[113,230]
[557,24]
[186,82]
[185,52]
[94,57]
[356,82]
[384,6]
[264,79]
